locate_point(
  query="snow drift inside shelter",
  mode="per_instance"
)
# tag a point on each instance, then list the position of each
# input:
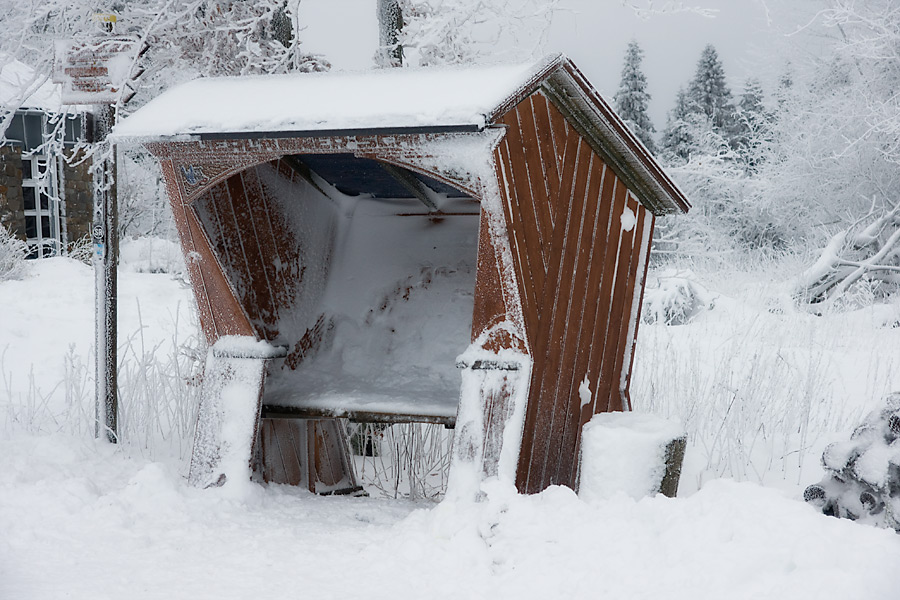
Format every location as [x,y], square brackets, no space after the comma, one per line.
[370,290]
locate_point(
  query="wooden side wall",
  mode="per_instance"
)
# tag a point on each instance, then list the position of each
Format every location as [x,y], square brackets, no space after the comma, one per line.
[578,265]
[254,242]
[220,311]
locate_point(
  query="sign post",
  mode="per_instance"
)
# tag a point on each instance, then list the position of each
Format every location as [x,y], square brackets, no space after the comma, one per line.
[93,73]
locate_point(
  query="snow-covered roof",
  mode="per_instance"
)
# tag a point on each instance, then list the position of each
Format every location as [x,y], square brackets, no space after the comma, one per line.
[382,99]
[393,101]
[22,87]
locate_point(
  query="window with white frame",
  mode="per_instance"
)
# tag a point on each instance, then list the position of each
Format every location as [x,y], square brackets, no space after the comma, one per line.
[43,204]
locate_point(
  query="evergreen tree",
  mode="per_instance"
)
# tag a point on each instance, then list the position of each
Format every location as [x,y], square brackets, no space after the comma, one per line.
[632,98]
[679,139]
[751,123]
[708,92]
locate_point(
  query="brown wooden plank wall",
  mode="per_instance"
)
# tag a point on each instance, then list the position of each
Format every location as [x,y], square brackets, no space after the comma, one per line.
[306,452]
[577,268]
[220,311]
[251,239]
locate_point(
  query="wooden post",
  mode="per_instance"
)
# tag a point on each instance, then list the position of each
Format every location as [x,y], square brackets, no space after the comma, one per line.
[106,250]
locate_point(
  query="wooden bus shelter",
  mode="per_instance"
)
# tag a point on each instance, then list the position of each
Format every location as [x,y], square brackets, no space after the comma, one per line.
[355,242]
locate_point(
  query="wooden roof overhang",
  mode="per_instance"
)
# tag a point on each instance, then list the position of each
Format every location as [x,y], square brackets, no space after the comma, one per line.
[569,90]
[557,77]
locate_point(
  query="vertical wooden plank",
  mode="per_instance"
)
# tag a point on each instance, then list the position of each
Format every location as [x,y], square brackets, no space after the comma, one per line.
[547,148]
[627,303]
[559,131]
[600,278]
[272,463]
[573,443]
[523,207]
[310,426]
[330,455]
[514,226]
[246,262]
[537,174]
[608,390]
[567,322]
[541,406]
[616,201]
[649,222]
[291,460]
[224,311]
[269,219]
[489,306]
[260,254]
[580,318]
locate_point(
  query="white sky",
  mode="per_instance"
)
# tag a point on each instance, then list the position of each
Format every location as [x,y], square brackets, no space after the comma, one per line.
[594,33]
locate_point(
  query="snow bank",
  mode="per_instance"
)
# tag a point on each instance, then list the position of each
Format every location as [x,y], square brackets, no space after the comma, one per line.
[150,255]
[624,452]
[151,536]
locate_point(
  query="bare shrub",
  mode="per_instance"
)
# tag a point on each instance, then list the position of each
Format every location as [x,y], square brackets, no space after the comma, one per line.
[12,255]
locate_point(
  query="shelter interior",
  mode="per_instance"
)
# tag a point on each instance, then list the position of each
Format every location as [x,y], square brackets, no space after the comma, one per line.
[363,271]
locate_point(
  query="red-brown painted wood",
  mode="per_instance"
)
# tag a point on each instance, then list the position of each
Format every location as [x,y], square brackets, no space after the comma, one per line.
[220,312]
[577,271]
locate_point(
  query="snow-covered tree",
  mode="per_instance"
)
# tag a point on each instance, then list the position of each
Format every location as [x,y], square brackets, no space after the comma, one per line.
[181,40]
[682,130]
[632,98]
[750,129]
[438,32]
[708,93]
[836,154]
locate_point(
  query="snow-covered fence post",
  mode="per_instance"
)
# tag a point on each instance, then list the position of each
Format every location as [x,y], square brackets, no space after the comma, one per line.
[106,250]
[631,453]
[489,421]
[230,403]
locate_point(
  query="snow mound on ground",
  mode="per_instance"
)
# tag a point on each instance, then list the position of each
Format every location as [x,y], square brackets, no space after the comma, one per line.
[149,535]
[150,255]
[624,452]
[674,298]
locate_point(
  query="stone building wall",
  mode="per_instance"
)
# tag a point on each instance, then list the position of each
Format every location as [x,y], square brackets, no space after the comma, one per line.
[79,197]
[12,208]
[78,194]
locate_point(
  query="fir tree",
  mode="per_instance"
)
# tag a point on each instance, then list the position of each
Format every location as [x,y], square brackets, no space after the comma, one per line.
[632,98]
[708,92]
[751,124]
[679,139]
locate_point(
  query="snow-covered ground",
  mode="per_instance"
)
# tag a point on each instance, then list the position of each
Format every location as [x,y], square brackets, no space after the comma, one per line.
[760,388]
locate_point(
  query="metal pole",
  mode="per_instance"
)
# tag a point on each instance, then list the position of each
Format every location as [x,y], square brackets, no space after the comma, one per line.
[106,242]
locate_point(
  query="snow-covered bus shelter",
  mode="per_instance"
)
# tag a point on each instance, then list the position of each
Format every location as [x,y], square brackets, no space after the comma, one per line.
[464,246]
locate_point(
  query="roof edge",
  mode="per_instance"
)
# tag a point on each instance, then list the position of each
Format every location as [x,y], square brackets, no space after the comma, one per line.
[611,138]
[540,72]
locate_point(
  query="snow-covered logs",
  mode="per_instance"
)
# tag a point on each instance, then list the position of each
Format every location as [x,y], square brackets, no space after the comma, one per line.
[863,474]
